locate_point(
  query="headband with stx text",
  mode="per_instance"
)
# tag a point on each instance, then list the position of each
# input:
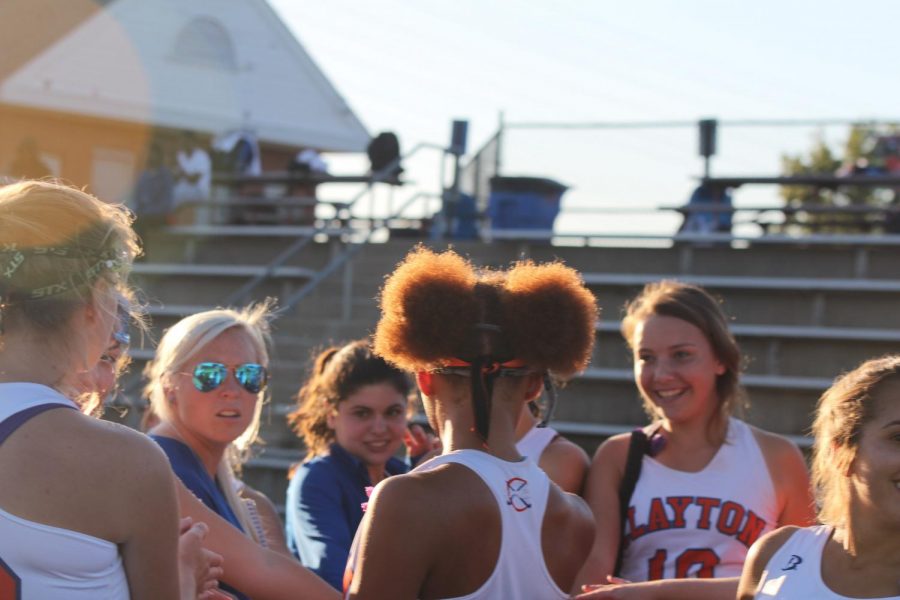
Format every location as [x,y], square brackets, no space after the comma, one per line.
[12,257]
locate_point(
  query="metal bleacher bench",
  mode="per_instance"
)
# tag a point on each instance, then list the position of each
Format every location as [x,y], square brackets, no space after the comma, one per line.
[766,283]
[254,230]
[860,334]
[205,270]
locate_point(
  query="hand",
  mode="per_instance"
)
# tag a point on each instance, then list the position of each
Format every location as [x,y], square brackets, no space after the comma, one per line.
[420,445]
[615,588]
[198,568]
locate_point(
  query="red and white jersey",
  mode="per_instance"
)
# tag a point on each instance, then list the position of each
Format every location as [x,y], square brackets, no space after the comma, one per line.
[700,524]
[42,562]
[521,490]
[795,570]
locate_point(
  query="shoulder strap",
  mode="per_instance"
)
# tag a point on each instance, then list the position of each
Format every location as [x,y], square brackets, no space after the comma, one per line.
[637,448]
[9,426]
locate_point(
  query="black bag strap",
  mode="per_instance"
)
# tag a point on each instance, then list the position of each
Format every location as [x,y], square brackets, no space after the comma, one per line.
[638,446]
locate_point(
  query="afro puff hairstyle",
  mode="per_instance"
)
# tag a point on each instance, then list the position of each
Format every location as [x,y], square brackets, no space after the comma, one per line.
[434,307]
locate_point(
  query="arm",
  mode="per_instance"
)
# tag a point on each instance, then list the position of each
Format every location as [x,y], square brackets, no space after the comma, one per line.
[260,573]
[667,589]
[759,556]
[566,464]
[601,491]
[395,551]
[150,549]
[318,526]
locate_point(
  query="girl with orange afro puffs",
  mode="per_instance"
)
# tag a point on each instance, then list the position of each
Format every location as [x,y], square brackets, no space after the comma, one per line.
[479,521]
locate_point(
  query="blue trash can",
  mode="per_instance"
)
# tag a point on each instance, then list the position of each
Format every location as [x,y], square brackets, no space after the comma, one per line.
[524,202]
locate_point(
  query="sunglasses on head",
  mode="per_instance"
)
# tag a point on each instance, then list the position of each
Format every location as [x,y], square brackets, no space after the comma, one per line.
[207,376]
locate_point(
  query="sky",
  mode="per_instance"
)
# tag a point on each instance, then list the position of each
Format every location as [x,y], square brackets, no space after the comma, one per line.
[413,67]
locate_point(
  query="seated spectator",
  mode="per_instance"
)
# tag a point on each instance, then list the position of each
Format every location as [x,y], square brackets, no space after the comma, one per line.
[154,193]
[193,176]
[697,220]
[352,418]
[27,163]
[237,153]
[303,168]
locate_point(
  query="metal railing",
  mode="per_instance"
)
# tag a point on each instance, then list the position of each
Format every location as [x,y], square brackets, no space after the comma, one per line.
[337,262]
[241,295]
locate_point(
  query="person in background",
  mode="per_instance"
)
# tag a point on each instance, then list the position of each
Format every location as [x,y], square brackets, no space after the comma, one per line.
[709,210]
[709,484]
[27,163]
[563,461]
[153,198]
[855,552]
[479,521]
[352,417]
[193,175]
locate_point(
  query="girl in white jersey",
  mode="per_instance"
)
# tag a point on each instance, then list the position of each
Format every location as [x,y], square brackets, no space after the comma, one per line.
[711,485]
[565,462]
[479,521]
[87,508]
[855,553]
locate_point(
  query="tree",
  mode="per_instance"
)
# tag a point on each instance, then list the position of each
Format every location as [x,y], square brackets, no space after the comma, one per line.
[868,149]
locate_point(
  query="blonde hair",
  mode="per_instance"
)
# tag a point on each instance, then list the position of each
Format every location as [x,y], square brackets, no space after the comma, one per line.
[55,243]
[841,413]
[180,344]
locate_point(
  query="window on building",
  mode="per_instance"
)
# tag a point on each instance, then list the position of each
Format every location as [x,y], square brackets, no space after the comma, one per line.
[203,41]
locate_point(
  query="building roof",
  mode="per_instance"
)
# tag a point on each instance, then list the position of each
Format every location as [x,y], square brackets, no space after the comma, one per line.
[206,65]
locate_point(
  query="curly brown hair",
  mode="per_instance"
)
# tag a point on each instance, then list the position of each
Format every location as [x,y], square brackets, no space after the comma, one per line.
[337,373]
[437,307]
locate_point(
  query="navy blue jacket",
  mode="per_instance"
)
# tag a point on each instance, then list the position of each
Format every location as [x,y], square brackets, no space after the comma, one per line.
[324,510]
[193,475]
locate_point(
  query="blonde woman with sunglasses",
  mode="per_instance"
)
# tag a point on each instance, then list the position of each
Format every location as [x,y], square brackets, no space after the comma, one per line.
[206,385]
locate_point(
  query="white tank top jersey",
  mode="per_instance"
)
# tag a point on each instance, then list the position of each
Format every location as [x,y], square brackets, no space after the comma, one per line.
[521,490]
[700,524]
[51,563]
[795,570]
[533,443]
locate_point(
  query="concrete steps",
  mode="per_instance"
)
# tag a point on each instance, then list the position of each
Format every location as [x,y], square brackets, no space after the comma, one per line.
[802,315]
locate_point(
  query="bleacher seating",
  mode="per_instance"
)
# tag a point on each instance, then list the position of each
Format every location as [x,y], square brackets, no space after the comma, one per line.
[802,312]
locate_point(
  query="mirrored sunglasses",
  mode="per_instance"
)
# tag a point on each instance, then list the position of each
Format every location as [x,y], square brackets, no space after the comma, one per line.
[207,376]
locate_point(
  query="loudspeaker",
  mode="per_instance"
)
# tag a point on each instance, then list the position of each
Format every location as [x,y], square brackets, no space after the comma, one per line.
[708,137]
[458,137]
